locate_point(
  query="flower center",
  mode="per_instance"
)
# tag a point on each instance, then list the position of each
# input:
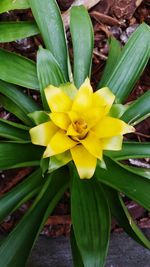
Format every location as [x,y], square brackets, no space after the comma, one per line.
[80,126]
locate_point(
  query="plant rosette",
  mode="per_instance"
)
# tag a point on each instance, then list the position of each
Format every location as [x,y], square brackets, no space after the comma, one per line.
[74,138]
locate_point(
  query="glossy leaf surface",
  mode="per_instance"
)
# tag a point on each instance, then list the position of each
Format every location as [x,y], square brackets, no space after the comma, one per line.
[12,31]
[7,5]
[82,38]
[49,21]
[18,70]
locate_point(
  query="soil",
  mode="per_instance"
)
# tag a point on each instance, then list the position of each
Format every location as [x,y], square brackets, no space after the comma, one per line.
[110,18]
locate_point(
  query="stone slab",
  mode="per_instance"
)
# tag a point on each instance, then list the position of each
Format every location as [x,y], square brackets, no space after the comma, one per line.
[123,252]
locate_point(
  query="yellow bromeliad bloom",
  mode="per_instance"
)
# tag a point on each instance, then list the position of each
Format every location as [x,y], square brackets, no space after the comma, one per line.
[80,125]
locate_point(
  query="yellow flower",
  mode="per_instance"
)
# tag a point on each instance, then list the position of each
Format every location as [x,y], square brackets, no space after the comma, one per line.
[80,125]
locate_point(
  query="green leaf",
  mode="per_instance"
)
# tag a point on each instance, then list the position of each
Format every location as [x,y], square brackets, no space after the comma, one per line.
[7,5]
[14,109]
[133,59]
[144,172]
[132,185]
[59,160]
[17,102]
[18,70]
[49,72]
[15,249]
[39,117]
[14,155]
[20,194]
[114,53]
[138,110]
[49,21]
[91,220]
[83,42]
[11,31]
[130,150]
[77,260]
[11,131]
[117,110]
[121,214]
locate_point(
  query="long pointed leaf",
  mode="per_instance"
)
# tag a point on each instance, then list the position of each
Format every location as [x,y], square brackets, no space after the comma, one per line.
[132,185]
[49,21]
[131,64]
[120,212]
[138,110]
[18,70]
[7,5]
[11,131]
[82,38]
[114,53]
[11,31]
[20,194]
[91,220]
[130,150]
[26,232]
[77,260]
[14,155]
[49,72]
[144,172]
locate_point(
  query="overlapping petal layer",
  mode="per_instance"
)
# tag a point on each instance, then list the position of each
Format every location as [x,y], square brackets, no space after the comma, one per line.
[80,127]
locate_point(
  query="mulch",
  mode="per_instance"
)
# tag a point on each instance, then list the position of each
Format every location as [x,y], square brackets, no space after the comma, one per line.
[118,18]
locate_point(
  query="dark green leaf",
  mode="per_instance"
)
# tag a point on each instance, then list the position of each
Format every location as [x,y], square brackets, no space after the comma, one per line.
[7,5]
[16,247]
[131,150]
[20,194]
[49,72]
[17,102]
[11,131]
[12,31]
[18,70]
[132,185]
[91,220]
[144,172]
[117,110]
[82,38]
[131,64]
[77,260]
[113,57]
[49,21]
[14,155]
[121,214]
[138,110]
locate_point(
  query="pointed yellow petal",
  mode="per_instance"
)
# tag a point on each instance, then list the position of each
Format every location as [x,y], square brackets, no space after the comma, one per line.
[103,98]
[83,99]
[58,144]
[93,115]
[112,143]
[61,119]
[93,145]
[58,101]
[71,131]
[84,161]
[109,126]
[42,134]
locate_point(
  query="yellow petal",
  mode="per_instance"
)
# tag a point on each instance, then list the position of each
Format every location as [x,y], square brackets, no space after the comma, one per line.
[103,98]
[60,119]
[58,144]
[71,131]
[84,161]
[93,115]
[93,145]
[58,101]
[112,143]
[42,134]
[109,126]
[83,99]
